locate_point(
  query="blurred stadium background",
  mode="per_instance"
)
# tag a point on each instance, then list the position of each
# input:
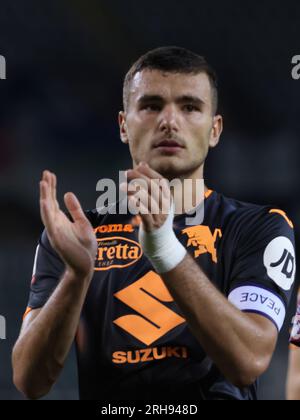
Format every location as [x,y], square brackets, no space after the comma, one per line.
[58,109]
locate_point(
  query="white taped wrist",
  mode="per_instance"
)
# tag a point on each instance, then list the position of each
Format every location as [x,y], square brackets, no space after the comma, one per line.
[162,247]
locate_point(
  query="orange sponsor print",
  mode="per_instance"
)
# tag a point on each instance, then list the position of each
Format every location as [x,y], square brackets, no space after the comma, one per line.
[283,214]
[114,228]
[148,355]
[201,238]
[117,252]
[146,297]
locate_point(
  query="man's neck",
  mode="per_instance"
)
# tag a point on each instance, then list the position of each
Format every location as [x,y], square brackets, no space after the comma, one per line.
[192,194]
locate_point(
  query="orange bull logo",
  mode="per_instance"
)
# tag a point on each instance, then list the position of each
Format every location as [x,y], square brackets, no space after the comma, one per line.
[202,238]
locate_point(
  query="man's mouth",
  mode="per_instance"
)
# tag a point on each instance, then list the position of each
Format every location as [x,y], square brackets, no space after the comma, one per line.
[169,146]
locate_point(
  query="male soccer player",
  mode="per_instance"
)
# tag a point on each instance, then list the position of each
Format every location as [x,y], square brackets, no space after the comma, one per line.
[165,310]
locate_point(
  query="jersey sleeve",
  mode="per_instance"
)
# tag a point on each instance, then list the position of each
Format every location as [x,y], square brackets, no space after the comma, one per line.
[264,265]
[47,271]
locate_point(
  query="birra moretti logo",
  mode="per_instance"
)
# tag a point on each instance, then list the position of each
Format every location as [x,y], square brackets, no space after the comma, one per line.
[117,252]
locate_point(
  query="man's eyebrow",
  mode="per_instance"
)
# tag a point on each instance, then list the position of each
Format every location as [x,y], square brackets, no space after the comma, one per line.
[191,99]
[181,99]
[149,98]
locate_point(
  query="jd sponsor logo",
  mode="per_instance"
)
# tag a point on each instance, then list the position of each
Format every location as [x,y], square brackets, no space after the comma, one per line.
[280,262]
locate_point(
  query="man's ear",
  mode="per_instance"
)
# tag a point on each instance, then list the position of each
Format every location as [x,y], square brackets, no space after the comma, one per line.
[123,127]
[216,131]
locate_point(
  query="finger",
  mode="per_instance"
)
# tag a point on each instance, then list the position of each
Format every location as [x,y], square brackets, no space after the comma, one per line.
[43,190]
[166,205]
[137,182]
[135,174]
[136,204]
[160,193]
[124,188]
[54,191]
[140,186]
[145,169]
[155,185]
[50,179]
[150,202]
[45,200]
[47,216]
[156,196]
[53,186]
[44,176]
[166,191]
[153,199]
[74,207]
[47,177]
[139,203]
[47,180]
[45,208]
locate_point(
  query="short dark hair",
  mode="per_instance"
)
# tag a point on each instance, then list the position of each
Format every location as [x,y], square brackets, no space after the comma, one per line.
[172,60]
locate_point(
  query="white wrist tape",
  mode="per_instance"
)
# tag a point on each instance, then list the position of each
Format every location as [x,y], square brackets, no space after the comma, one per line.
[162,247]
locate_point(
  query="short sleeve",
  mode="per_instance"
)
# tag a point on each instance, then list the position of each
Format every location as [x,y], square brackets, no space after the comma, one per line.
[264,265]
[47,271]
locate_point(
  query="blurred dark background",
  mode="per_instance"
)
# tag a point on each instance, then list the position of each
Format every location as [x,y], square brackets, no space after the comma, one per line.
[58,109]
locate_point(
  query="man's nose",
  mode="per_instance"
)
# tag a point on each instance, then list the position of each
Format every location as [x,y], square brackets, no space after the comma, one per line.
[168,119]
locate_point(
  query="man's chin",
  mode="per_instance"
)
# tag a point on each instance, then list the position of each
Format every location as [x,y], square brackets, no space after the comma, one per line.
[172,171]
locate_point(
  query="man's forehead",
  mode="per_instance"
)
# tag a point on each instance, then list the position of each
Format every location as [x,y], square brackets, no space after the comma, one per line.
[164,83]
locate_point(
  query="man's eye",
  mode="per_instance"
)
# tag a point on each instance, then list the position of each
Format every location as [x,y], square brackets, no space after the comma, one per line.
[151,107]
[190,108]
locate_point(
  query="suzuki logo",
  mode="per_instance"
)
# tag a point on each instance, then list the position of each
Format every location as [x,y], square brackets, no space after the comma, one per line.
[153,319]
